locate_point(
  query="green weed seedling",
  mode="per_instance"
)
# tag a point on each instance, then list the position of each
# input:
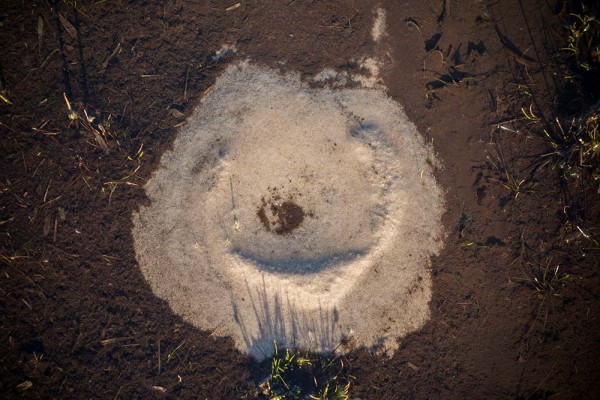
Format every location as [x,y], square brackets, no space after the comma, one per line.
[507,177]
[575,144]
[583,42]
[295,375]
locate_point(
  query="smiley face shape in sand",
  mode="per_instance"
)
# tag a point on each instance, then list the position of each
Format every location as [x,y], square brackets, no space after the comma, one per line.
[293,215]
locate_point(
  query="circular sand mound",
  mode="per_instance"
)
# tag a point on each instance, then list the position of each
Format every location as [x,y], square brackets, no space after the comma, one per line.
[293,215]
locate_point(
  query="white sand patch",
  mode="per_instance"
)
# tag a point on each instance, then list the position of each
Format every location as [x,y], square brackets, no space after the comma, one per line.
[369,77]
[332,77]
[378,30]
[293,215]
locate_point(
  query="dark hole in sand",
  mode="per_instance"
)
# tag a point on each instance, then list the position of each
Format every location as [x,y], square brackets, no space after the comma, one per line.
[284,217]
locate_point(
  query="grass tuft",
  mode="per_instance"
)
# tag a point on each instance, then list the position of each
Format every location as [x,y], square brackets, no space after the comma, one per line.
[565,115]
[83,121]
[505,175]
[547,282]
[574,143]
[298,375]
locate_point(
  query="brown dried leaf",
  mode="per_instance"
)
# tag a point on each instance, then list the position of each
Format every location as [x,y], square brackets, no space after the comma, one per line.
[24,385]
[233,7]
[113,54]
[177,114]
[412,366]
[71,31]
[47,225]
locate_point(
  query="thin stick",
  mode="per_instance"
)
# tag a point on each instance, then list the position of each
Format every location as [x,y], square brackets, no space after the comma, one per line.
[185,86]
[118,392]
[50,202]
[47,189]
[112,190]
[81,58]
[159,361]
[24,162]
[235,220]
[40,32]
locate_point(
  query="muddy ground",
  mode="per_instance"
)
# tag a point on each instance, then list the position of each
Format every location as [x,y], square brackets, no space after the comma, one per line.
[77,319]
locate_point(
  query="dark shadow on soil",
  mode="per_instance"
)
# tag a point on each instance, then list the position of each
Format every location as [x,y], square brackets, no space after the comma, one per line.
[301,267]
[281,324]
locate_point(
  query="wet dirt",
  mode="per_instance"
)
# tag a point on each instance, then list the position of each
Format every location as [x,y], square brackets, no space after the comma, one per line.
[77,319]
[280,217]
